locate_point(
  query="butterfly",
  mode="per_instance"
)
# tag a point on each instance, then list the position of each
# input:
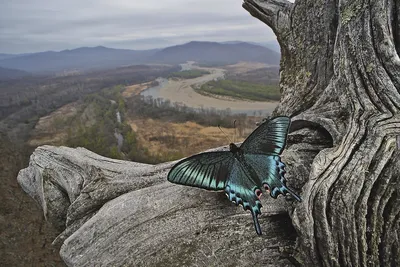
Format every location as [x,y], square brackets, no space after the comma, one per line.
[242,171]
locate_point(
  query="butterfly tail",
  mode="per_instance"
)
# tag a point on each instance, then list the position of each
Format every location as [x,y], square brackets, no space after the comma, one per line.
[256,223]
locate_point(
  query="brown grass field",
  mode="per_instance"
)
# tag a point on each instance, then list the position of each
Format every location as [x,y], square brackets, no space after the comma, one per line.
[135,89]
[50,129]
[183,139]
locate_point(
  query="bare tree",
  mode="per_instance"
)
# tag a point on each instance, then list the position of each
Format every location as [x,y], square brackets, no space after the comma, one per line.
[340,81]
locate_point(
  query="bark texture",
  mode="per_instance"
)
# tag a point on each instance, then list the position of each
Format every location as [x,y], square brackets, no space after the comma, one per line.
[340,73]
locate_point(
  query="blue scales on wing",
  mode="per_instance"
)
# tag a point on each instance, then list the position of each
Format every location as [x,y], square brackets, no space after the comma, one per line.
[271,171]
[208,170]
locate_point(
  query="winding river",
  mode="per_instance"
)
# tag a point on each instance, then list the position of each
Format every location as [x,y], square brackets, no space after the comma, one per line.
[181,91]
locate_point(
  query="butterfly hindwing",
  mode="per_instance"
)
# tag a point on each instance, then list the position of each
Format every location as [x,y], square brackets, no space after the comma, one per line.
[241,189]
[269,138]
[271,171]
[209,170]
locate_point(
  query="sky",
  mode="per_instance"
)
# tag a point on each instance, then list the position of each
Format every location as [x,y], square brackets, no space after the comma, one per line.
[41,25]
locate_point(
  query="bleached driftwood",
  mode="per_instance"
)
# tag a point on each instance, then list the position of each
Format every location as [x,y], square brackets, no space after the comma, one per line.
[115,213]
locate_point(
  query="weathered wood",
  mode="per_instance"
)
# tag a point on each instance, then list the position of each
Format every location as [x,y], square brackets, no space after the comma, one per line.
[120,213]
[340,69]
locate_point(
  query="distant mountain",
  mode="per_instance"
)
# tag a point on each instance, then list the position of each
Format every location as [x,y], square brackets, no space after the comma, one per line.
[273,45]
[6,74]
[4,56]
[144,43]
[83,58]
[236,42]
[100,57]
[212,52]
[239,42]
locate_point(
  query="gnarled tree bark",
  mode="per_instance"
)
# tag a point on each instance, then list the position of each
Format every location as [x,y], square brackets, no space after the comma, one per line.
[340,71]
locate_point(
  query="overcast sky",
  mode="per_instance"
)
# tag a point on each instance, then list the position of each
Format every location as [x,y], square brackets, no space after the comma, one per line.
[40,25]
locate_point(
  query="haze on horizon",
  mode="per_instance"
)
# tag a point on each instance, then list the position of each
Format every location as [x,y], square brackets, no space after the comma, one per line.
[41,25]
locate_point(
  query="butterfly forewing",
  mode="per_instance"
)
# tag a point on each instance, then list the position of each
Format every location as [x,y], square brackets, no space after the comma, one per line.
[208,170]
[269,138]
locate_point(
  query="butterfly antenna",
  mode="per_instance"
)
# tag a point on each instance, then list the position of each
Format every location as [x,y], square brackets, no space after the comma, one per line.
[227,137]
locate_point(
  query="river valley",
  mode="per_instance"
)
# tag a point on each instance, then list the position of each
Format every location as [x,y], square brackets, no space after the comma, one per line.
[181,91]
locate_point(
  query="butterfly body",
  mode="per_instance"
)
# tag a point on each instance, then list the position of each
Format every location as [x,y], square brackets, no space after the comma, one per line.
[242,171]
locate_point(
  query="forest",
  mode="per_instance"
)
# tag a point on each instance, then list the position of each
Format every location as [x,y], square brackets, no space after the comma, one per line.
[188,74]
[241,90]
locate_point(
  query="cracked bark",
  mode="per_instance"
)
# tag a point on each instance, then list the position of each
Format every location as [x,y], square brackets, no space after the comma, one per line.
[340,69]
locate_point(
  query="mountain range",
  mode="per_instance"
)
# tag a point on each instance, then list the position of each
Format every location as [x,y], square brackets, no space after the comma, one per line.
[6,73]
[100,57]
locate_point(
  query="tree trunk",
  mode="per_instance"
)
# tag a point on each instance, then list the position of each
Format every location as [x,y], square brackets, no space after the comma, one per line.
[340,79]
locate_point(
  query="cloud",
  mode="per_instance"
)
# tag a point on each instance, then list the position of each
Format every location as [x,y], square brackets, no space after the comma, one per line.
[29,26]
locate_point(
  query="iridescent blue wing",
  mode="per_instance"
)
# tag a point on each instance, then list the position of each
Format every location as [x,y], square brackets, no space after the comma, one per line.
[242,189]
[269,138]
[219,171]
[209,170]
[271,172]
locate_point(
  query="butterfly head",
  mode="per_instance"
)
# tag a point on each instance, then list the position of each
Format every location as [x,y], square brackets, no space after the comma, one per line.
[233,148]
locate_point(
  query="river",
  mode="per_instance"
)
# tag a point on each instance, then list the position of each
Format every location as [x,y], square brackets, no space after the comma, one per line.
[181,91]
[117,134]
